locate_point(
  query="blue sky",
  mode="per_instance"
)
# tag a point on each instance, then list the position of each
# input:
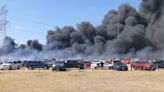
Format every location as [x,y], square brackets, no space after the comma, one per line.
[31,19]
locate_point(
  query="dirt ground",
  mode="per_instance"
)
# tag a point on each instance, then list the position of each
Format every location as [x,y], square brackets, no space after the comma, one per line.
[81,81]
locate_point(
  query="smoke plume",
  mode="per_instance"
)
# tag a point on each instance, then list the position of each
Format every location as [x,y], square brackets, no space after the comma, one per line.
[124,32]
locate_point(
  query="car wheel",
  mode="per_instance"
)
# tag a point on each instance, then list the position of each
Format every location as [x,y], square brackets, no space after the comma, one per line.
[18,67]
[153,69]
[47,67]
[58,69]
[110,68]
[30,68]
[81,67]
[10,68]
[134,68]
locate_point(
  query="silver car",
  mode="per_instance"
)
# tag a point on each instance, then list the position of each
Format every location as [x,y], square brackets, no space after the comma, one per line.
[9,66]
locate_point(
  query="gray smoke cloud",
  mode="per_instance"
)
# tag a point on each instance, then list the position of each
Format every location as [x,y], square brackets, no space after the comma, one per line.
[124,32]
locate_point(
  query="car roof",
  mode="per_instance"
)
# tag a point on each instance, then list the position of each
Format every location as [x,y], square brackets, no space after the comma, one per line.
[59,61]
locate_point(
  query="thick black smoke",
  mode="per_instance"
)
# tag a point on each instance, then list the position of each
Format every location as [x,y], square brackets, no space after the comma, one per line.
[123,32]
[123,29]
[153,12]
[33,44]
[9,46]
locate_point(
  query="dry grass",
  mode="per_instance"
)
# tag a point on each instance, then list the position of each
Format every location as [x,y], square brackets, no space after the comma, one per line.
[81,81]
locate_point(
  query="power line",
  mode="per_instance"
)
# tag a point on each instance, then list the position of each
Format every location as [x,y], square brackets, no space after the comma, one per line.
[31,21]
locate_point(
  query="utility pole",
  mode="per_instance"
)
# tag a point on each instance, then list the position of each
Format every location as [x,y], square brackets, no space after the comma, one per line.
[3,23]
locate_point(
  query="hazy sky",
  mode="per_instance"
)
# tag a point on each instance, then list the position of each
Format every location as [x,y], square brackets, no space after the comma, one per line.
[31,19]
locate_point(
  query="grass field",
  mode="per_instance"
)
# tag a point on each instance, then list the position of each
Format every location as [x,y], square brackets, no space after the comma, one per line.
[81,81]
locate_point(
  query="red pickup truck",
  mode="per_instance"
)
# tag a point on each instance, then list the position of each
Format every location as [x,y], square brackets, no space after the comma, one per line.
[143,65]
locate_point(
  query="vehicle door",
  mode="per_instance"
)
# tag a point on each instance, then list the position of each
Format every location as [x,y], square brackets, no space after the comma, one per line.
[69,64]
[40,64]
[160,64]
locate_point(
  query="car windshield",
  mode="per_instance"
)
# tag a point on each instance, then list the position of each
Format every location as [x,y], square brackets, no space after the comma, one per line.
[119,63]
[145,62]
[160,61]
[59,63]
[137,62]
[9,62]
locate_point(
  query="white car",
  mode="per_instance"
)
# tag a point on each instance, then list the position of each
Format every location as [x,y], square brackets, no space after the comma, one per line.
[5,66]
[94,65]
[109,64]
[9,66]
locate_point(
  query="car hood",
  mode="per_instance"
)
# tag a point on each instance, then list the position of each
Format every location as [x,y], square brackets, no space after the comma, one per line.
[5,64]
[121,66]
[57,65]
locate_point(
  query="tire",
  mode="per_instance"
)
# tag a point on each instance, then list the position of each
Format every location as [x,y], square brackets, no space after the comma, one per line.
[46,67]
[58,69]
[134,68]
[81,67]
[153,69]
[18,67]
[10,68]
[30,68]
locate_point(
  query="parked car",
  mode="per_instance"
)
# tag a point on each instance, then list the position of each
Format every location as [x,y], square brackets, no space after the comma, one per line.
[58,66]
[143,65]
[120,66]
[109,64]
[73,64]
[36,64]
[159,63]
[48,62]
[9,66]
[87,64]
[5,66]
[95,65]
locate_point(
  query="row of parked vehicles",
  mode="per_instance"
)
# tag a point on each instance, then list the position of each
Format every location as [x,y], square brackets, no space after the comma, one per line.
[150,65]
[63,65]
[46,64]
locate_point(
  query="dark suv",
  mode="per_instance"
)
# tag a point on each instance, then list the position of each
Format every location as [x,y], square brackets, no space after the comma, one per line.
[159,63]
[120,66]
[74,64]
[36,64]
